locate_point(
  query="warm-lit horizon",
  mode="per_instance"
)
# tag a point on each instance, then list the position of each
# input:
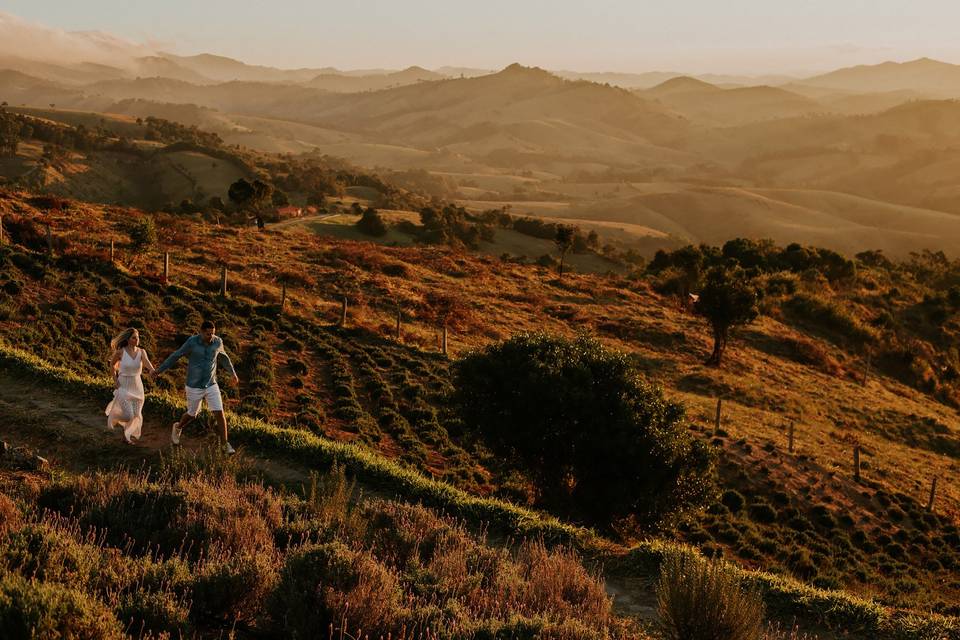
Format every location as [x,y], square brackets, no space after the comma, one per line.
[748,37]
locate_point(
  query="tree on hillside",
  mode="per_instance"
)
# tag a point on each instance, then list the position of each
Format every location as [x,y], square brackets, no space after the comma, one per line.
[9,134]
[371,223]
[241,192]
[249,196]
[728,299]
[143,234]
[599,442]
[593,239]
[689,261]
[564,241]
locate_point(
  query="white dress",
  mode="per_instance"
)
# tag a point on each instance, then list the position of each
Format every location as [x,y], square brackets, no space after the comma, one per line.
[125,408]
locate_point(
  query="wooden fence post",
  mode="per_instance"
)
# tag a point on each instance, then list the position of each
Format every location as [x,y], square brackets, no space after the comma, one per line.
[223,281]
[443,340]
[343,312]
[866,369]
[790,438]
[166,267]
[49,240]
[856,463]
[933,494]
[716,420]
[283,297]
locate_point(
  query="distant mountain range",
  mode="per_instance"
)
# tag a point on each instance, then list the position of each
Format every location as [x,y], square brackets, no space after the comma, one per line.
[886,133]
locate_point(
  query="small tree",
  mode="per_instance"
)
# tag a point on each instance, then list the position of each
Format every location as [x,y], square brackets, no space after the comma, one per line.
[564,241]
[10,132]
[593,239]
[249,195]
[728,299]
[371,223]
[241,193]
[689,260]
[143,234]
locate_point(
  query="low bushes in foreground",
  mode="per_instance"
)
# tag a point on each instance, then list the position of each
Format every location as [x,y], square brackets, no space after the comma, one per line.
[190,550]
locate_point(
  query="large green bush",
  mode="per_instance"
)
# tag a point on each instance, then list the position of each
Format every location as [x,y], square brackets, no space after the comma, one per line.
[600,442]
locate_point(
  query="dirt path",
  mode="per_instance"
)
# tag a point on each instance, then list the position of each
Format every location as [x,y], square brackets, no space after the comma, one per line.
[303,221]
[72,434]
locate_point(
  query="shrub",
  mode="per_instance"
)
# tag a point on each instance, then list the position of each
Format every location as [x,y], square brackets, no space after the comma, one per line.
[703,600]
[9,514]
[319,583]
[372,224]
[154,612]
[33,609]
[763,512]
[733,500]
[13,287]
[555,407]
[233,587]
[830,316]
[143,233]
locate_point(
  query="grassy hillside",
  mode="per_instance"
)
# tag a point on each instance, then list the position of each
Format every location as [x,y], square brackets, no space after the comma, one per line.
[802,363]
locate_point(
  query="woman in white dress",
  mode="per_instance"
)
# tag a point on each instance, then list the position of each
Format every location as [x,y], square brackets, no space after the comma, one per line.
[127,364]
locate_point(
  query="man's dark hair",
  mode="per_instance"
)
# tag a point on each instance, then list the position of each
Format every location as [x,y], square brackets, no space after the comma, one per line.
[207,324]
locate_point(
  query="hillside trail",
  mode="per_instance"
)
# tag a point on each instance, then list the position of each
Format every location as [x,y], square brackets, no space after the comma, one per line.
[71,433]
[296,222]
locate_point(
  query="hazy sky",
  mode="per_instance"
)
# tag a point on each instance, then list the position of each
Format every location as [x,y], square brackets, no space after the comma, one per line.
[734,36]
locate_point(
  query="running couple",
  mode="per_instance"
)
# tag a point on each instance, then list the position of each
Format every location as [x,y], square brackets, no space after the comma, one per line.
[203,351]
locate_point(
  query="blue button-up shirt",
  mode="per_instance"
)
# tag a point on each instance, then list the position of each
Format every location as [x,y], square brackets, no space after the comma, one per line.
[202,362]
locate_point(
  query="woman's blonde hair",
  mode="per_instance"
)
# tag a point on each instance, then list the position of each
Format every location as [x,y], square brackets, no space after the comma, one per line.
[121,340]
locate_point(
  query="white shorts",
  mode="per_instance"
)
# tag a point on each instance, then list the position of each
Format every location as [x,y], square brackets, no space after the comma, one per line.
[211,394]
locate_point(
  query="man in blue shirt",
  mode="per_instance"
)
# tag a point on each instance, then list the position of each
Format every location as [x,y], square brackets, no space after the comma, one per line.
[203,350]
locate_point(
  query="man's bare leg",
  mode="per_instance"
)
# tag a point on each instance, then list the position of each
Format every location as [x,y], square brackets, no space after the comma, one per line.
[221,419]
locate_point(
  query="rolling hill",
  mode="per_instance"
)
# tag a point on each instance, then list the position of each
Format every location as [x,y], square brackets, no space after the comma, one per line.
[705,103]
[842,222]
[930,77]
[343,83]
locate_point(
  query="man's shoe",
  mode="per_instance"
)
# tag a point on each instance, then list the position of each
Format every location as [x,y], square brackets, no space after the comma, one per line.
[175,433]
[227,449]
